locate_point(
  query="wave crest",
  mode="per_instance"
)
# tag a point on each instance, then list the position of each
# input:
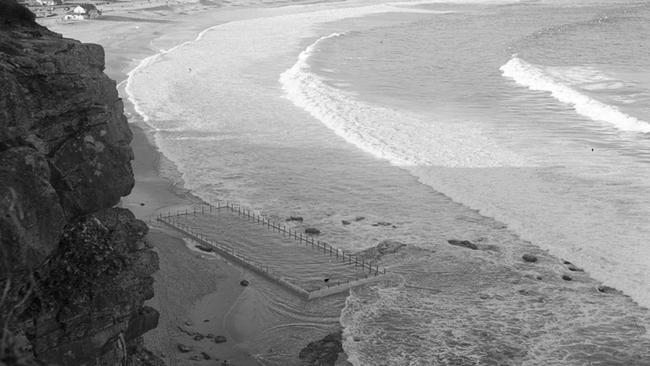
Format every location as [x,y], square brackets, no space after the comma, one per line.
[535,78]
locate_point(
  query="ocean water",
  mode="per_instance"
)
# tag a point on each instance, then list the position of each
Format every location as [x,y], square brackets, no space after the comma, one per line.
[522,126]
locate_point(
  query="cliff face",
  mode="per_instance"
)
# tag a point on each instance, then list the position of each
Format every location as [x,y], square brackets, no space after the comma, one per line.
[74,271]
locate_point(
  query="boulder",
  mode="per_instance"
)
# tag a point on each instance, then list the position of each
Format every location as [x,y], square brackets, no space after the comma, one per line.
[312,231]
[183,348]
[573,268]
[205,248]
[567,278]
[463,243]
[607,290]
[244,283]
[386,247]
[359,218]
[529,258]
[324,352]
[345,222]
[220,339]
[295,218]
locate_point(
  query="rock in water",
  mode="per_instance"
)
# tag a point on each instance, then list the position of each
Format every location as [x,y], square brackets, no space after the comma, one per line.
[529,258]
[463,243]
[312,231]
[386,247]
[324,352]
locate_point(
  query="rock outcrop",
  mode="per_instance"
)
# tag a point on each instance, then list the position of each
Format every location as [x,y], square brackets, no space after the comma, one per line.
[324,352]
[75,270]
[386,247]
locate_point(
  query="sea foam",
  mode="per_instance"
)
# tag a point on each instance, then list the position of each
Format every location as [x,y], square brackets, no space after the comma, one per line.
[535,78]
[403,138]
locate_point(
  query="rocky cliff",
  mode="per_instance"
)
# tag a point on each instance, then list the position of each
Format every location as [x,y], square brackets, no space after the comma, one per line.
[74,270]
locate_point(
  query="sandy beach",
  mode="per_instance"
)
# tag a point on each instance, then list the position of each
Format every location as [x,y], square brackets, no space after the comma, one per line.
[196,293]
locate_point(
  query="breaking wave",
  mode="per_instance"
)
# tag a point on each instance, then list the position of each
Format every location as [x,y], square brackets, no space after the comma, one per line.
[397,136]
[535,78]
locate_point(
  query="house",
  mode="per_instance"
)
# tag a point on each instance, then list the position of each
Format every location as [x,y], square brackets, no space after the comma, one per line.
[83,11]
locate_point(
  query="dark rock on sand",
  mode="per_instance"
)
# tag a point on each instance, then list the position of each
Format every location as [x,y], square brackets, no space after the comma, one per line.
[463,243]
[529,258]
[205,356]
[312,231]
[324,352]
[183,348]
[295,218]
[244,283]
[220,339]
[608,290]
[573,268]
[205,248]
[198,337]
[359,218]
[567,278]
[382,223]
[345,222]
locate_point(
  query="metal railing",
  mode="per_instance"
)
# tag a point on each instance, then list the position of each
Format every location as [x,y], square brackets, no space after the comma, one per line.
[172,220]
